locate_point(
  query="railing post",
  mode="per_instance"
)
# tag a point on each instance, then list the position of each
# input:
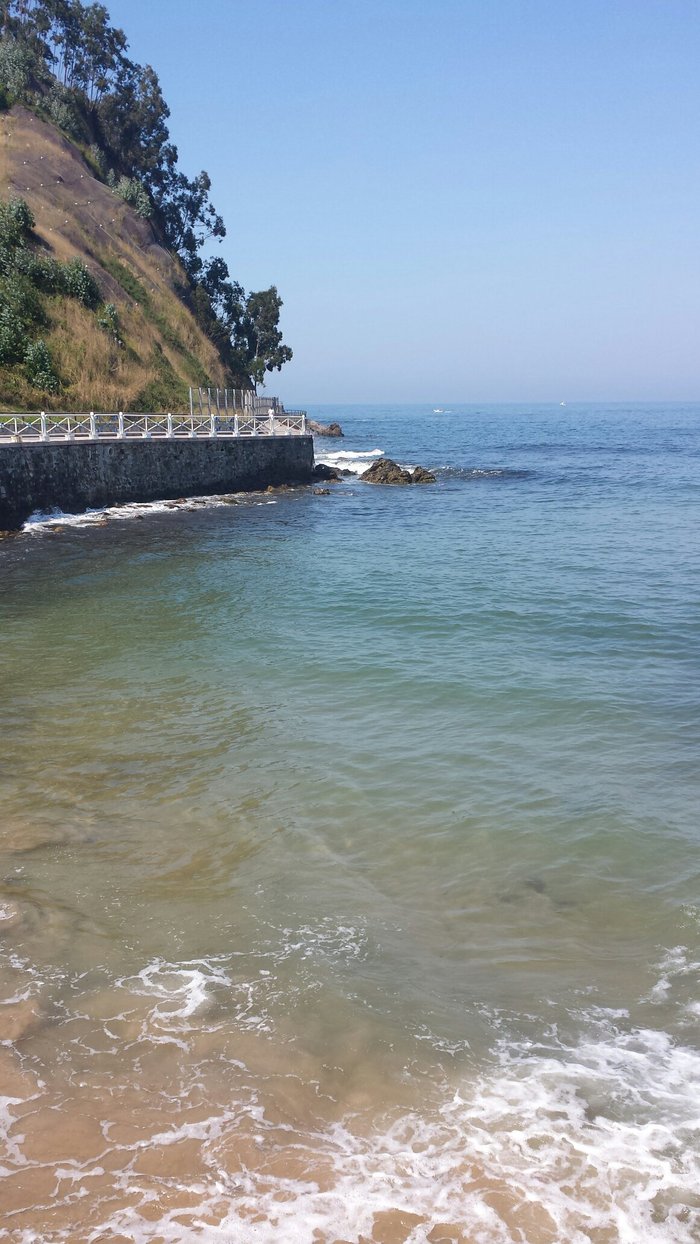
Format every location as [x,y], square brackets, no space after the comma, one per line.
[272,421]
[303,422]
[235,424]
[69,429]
[93,426]
[44,428]
[212,421]
[120,425]
[169,424]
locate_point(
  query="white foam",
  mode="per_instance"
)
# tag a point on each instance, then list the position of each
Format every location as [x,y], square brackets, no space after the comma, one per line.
[42,521]
[179,991]
[563,1140]
[594,1140]
[356,461]
[351,454]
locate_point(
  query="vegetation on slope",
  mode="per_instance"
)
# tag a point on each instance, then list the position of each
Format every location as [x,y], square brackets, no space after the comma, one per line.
[161,315]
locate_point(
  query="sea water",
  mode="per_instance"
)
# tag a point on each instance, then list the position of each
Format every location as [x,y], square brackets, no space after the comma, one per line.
[349,850]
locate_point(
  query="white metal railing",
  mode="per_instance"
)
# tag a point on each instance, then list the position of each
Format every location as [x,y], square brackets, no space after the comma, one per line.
[275,421]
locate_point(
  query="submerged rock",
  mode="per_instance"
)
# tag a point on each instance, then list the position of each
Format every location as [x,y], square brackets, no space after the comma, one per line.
[18,836]
[324,429]
[10,915]
[19,1018]
[422,476]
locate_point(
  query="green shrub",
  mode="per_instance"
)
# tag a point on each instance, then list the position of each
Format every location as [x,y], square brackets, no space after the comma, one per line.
[12,336]
[78,282]
[45,274]
[16,223]
[16,64]
[96,158]
[4,99]
[18,295]
[132,192]
[109,322]
[62,109]
[39,368]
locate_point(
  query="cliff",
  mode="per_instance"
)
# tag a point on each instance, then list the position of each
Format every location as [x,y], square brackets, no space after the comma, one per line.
[158,349]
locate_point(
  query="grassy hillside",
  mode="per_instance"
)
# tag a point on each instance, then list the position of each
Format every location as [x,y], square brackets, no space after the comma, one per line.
[146,358]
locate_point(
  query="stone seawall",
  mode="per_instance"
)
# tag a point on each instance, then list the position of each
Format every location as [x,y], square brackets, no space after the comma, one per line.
[77,476]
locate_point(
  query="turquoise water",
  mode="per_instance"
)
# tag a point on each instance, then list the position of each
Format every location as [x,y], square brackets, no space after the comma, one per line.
[351,847]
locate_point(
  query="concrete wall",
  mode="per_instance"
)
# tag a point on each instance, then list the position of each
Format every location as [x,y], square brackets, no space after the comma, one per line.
[83,475]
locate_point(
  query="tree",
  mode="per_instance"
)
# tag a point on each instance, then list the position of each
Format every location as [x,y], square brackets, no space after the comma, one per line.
[257,341]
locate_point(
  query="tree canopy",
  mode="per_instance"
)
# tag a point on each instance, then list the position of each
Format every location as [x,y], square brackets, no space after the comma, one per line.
[67,59]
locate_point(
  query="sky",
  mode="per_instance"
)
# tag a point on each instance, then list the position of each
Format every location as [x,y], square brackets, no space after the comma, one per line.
[458,200]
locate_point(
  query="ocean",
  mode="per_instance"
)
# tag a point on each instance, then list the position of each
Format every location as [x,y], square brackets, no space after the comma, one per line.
[349,852]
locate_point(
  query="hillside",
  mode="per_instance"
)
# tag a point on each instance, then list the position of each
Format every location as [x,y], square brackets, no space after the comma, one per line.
[157,348]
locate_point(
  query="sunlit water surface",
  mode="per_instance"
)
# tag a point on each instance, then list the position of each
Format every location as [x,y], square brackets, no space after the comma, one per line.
[349,849]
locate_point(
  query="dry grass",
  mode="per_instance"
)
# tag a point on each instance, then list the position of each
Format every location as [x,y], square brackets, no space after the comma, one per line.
[164,349]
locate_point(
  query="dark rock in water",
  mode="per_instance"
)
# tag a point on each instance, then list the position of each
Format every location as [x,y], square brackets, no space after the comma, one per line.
[384,471]
[322,472]
[322,492]
[324,429]
[345,471]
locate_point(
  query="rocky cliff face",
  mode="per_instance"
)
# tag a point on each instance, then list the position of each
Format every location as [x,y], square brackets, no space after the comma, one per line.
[159,349]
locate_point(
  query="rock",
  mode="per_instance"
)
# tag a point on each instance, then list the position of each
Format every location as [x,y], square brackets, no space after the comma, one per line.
[322,492]
[384,471]
[18,836]
[329,475]
[324,429]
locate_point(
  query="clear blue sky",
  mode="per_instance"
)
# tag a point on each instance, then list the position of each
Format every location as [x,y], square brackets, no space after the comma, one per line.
[475,200]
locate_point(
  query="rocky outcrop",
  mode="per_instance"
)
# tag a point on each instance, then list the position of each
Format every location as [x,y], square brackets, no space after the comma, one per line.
[384,471]
[328,474]
[324,429]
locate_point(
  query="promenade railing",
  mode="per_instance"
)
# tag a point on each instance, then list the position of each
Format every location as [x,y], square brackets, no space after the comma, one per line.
[91,426]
